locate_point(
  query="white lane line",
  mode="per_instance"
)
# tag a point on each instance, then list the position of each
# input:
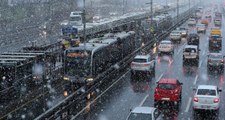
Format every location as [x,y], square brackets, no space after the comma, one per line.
[142,102]
[98,96]
[159,77]
[200,64]
[203,53]
[188,105]
[181,48]
[179,51]
[196,78]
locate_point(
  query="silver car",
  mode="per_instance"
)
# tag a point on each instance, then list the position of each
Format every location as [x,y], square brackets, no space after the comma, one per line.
[145,113]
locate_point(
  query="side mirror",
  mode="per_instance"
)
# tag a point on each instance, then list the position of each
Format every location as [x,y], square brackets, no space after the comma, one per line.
[181,83]
[220,90]
[194,89]
[199,50]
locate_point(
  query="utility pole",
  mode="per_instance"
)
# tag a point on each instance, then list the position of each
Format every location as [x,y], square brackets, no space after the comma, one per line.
[123,7]
[189,6]
[84,23]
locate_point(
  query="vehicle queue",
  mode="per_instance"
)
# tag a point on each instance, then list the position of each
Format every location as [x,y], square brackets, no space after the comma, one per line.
[169,90]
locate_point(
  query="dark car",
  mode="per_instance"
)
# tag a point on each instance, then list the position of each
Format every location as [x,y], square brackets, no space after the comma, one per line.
[193,39]
[215,60]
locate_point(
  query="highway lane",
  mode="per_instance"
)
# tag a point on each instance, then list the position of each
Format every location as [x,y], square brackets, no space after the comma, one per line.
[191,77]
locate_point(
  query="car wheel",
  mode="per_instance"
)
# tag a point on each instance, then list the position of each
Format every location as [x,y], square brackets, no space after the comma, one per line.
[156,104]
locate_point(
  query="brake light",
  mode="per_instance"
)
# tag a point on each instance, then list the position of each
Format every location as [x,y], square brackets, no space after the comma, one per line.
[146,64]
[209,60]
[222,61]
[195,99]
[216,100]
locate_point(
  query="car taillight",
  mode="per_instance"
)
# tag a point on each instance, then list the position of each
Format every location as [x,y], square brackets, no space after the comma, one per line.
[146,64]
[222,61]
[156,90]
[216,100]
[195,99]
[209,60]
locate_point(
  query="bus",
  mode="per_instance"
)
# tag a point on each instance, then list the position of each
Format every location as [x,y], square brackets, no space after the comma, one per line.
[83,63]
[70,36]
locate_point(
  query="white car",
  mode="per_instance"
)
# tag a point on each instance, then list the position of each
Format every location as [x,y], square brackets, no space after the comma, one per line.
[175,35]
[207,97]
[183,31]
[166,46]
[192,22]
[201,28]
[145,63]
[145,113]
[191,53]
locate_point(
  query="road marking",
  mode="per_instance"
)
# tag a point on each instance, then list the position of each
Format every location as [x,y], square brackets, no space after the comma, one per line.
[159,77]
[188,105]
[181,48]
[98,96]
[142,102]
[203,53]
[200,64]
[196,78]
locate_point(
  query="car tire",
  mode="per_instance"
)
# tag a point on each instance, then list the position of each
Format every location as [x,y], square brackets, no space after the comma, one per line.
[156,104]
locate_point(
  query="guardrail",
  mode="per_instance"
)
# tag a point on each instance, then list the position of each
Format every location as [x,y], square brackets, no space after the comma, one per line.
[65,109]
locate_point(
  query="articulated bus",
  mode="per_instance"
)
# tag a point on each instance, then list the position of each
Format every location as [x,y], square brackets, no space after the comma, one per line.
[82,64]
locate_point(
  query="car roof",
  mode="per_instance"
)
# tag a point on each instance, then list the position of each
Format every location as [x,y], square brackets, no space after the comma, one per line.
[141,56]
[200,24]
[207,87]
[146,110]
[191,46]
[166,41]
[167,80]
[215,54]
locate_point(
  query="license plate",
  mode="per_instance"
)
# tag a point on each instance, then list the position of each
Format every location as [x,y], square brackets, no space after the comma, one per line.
[165,99]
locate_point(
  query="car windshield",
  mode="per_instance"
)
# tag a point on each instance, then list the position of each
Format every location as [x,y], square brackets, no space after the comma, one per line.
[166,86]
[190,50]
[139,116]
[216,56]
[210,92]
[165,42]
[139,60]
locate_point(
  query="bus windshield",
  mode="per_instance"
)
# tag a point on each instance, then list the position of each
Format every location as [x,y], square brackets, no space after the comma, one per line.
[78,62]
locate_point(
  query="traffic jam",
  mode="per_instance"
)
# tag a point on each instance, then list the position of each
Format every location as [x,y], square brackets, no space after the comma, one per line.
[199,43]
[167,67]
[182,80]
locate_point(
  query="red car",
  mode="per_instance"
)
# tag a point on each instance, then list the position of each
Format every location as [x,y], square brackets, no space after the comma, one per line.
[168,89]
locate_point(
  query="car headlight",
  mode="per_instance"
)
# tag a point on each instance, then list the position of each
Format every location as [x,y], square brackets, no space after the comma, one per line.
[66,78]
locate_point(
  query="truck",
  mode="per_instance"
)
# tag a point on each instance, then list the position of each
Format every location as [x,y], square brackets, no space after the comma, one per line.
[215,40]
[76,18]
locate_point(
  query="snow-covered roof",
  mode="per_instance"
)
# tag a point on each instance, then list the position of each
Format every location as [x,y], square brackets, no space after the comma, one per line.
[145,110]
[207,87]
[141,56]
[191,46]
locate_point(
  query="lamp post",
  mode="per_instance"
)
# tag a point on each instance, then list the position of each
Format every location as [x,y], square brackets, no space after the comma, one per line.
[84,23]
[151,13]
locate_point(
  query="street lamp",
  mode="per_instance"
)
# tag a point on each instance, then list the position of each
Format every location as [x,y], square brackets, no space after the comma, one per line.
[151,13]
[84,23]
